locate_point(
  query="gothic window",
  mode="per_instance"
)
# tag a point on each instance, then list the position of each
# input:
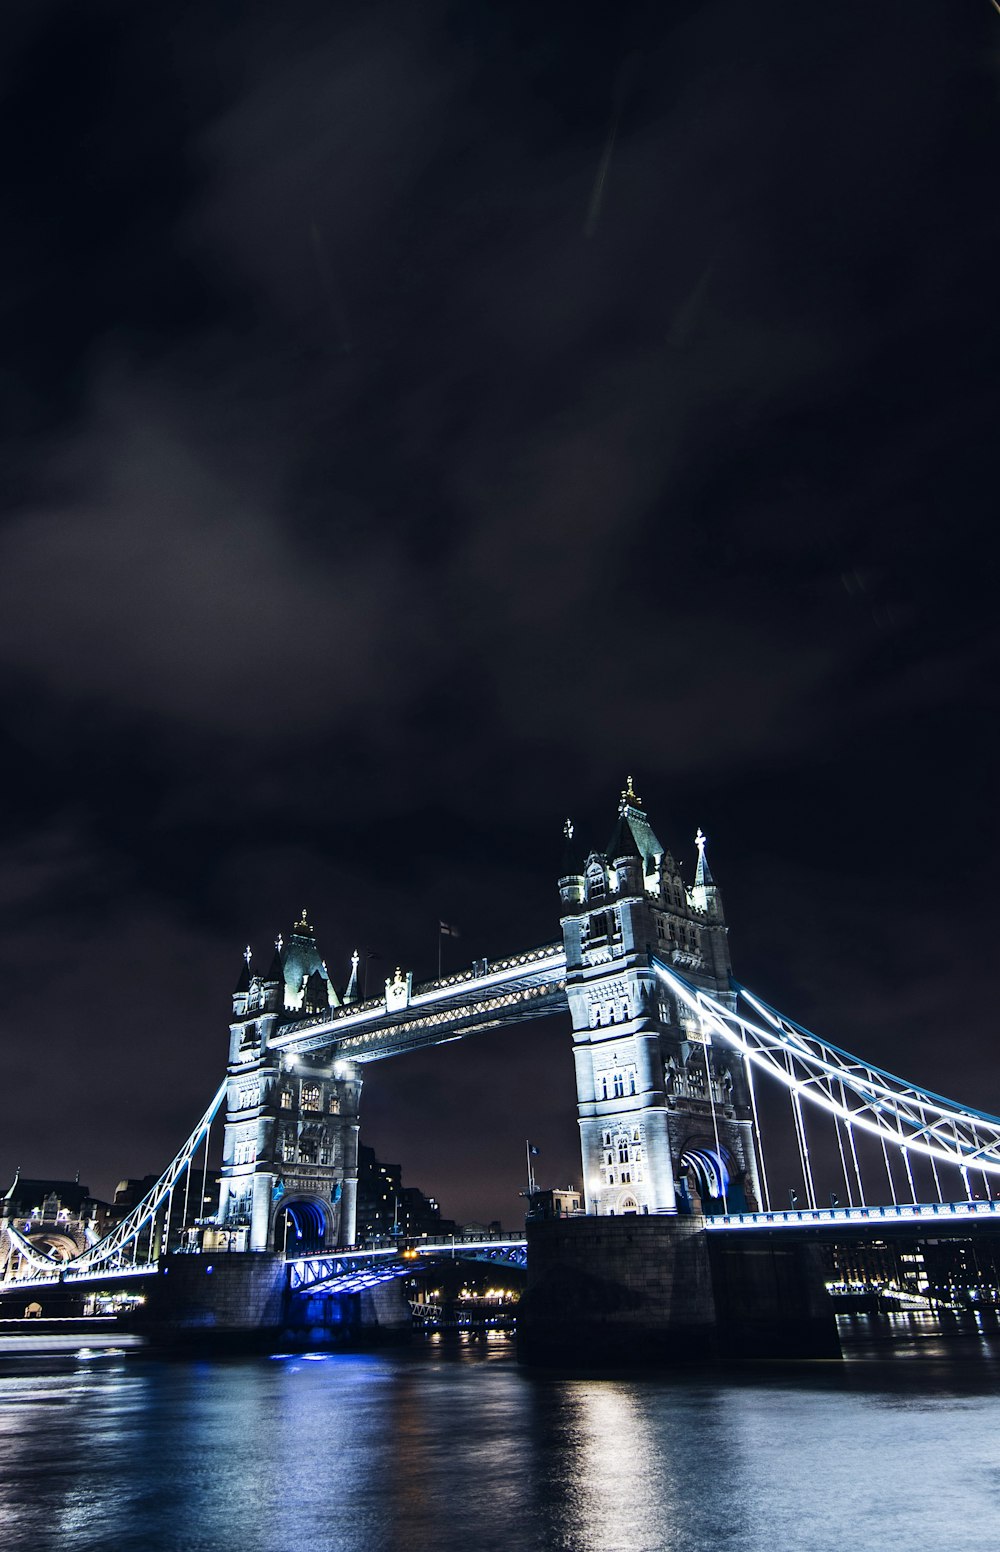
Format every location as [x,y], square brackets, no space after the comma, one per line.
[245,1151]
[619,1085]
[333,1104]
[607,1139]
[596,886]
[598,925]
[310,1096]
[611,1158]
[307,1150]
[286,1099]
[604,1087]
[626,1177]
[631,1082]
[622,1150]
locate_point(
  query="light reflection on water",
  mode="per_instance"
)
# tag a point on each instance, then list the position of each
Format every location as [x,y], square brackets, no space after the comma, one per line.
[443,1448]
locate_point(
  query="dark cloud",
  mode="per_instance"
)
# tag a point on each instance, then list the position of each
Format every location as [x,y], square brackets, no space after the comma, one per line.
[374,495]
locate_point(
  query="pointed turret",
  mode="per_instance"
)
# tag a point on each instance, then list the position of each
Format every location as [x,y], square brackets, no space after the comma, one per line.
[571,877]
[351,994]
[276,973]
[703,874]
[704,895]
[243,984]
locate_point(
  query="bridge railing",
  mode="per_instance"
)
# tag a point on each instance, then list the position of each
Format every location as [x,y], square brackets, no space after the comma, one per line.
[903,1212]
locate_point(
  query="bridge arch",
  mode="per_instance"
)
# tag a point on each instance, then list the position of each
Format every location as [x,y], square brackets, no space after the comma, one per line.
[61,1247]
[303,1226]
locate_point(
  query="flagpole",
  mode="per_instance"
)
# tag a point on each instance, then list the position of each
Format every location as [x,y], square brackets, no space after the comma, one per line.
[527,1159]
[439,950]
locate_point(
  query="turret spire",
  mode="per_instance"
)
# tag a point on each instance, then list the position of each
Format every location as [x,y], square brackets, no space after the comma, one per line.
[351,994]
[243,984]
[703,874]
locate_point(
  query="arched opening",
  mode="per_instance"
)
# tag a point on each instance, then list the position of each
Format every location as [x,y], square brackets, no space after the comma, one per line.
[300,1228]
[62,1246]
[705,1183]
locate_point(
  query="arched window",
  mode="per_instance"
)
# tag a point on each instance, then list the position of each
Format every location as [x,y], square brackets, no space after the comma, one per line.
[310,1096]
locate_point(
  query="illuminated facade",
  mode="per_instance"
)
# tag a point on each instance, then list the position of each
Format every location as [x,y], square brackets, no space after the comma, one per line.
[290,1156]
[665,1118]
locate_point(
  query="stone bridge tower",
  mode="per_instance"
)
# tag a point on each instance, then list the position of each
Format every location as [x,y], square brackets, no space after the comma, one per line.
[290,1157]
[664,1114]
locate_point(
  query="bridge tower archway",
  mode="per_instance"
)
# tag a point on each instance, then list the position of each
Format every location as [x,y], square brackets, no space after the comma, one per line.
[303,1226]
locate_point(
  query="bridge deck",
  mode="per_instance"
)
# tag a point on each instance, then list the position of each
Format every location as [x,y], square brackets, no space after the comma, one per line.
[528,985]
[919,1214]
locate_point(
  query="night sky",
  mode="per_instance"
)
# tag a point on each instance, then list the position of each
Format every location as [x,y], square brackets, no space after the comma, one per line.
[415,419]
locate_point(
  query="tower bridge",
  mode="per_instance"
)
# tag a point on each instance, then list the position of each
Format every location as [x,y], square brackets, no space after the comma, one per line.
[676,1066]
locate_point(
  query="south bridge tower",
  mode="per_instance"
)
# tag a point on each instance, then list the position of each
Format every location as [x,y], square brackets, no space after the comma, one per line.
[665,1116]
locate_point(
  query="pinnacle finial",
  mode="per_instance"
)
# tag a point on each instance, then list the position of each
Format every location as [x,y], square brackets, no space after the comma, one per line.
[700,839]
[248,955]
[355,960]
[279,942]
[302,925]
[568,829]
[630,798]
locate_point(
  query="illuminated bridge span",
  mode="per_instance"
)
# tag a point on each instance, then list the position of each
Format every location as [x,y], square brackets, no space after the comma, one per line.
[354,1270]
[688,1088]
[407,1018]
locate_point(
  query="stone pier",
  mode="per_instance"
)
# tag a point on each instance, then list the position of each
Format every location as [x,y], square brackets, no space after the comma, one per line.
[241,1301]
[614,1292]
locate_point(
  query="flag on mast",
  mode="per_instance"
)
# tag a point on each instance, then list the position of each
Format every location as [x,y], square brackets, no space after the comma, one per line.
[448,932]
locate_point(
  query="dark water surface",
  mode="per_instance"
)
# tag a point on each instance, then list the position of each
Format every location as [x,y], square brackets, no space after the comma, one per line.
[455,1447]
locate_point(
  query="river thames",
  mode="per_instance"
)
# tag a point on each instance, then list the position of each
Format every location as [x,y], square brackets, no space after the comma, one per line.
[454,1447]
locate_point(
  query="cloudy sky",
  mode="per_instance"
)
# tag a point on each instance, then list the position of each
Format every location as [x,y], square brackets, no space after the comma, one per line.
[415,418]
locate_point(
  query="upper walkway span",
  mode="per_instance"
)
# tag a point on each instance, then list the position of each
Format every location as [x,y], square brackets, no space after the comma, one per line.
[406,1018]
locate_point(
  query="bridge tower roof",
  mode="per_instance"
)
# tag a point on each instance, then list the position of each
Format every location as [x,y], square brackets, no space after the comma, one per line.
[304,968]
[633,834]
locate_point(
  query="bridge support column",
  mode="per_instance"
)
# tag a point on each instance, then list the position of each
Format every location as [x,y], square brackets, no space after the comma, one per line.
[616,1292]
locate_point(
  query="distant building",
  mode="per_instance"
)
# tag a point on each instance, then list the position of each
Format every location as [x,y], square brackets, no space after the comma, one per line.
[555,1202]
[386,1206]
[60,1217]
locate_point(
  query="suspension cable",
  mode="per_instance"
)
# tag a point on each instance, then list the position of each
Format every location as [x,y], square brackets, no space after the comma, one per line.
[715,1129]
[800,1134]
[748,1066]
[850,1138]
[843,1160]
[885,1155]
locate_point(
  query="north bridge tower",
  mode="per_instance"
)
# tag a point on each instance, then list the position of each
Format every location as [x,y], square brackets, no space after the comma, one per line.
[290,1156]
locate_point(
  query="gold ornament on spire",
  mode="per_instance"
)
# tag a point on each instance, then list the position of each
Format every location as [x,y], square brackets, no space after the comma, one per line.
[629,795]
